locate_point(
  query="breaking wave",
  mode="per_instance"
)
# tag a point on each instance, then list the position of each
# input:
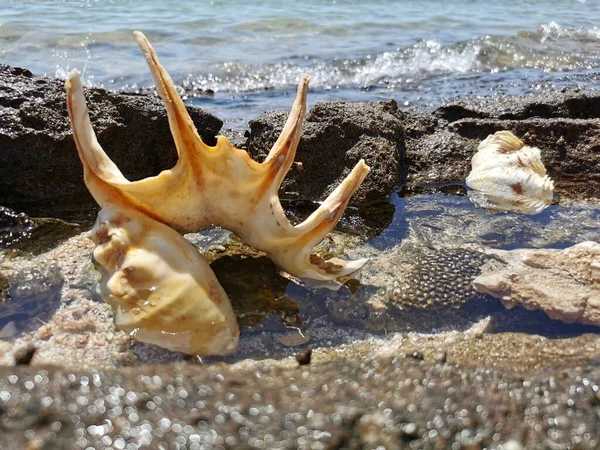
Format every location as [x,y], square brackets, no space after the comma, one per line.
[550,48]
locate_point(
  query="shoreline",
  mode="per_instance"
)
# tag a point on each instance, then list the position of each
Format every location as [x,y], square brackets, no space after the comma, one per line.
[375,376]
[41,176]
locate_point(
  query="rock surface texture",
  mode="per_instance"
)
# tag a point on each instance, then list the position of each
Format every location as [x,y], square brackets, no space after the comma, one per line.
[335,136]
[40,172]
[563,283]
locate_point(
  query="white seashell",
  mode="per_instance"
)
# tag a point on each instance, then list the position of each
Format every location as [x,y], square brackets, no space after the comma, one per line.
[209,186]
[510,175]
[159,286]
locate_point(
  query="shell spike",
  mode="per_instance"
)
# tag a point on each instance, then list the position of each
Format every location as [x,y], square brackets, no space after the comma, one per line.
[297,258]
[282,155]
[182,127]
[99,169]
[330,211]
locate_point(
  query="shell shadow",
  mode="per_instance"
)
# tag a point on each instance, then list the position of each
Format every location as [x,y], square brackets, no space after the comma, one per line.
[521,320]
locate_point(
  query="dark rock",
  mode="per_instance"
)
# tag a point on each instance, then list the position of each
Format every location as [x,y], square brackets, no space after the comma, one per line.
[4,288]
[40,172]
[45,234]
[335,136]
[436,148]
[304,356]
[22,234]
[564,126]
[256,290]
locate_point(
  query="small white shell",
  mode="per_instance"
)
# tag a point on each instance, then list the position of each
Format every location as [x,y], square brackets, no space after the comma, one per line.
[510,175]
[159,286]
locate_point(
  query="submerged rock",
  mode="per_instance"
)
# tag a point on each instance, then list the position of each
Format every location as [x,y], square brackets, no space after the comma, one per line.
[335,136]
[32,293]
[13,227]
[415,288]
[40,172]
[21,234]
[563,283]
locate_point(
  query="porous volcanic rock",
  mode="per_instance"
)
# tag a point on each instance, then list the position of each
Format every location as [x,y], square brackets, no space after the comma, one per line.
[335,136]
[40,172]
[563,283]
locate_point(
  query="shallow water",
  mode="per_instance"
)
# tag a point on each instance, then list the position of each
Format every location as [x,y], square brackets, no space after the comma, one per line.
[239,58]
[418,279]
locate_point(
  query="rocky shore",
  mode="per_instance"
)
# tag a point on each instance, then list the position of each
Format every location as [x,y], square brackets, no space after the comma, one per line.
[417,354]
[39,168]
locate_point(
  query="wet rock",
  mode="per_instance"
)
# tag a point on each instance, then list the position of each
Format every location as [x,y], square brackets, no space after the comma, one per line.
[335,136]
[415,288]
[426,148]
[33,292]
[13,227]
[368,221]
[40,172]
[563,283]
[564,126]
[24,235]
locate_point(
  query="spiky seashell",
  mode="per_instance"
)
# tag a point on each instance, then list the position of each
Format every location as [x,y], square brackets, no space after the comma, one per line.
[212,186]
[510,175]
[160,288]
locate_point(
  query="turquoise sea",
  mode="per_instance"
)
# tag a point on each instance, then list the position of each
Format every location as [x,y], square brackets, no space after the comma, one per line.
[238,58]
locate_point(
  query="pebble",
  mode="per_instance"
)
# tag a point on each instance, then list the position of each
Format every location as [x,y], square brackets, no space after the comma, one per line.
[24,354]
[417,354]
[304,357]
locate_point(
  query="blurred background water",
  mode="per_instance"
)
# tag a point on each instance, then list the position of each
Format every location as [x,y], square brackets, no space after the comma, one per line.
[239,58]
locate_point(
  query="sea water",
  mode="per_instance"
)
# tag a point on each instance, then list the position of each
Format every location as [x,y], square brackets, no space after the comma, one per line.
[239,58]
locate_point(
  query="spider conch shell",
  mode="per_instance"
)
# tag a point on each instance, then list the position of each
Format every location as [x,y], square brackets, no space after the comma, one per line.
[208,186]
[510,175]
[219,185]
[159,286]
